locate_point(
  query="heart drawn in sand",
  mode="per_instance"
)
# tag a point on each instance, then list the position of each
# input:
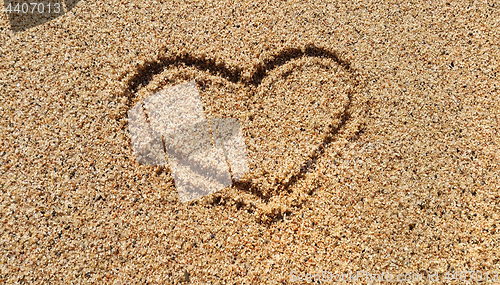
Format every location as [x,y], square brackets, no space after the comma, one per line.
[289,107]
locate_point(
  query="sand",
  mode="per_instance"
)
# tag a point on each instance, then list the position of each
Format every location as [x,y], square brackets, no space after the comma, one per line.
[372,131]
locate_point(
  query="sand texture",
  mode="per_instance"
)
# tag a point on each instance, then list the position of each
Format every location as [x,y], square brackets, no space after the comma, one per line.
[372,134]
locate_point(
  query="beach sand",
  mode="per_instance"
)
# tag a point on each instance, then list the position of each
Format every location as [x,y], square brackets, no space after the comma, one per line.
[372,133]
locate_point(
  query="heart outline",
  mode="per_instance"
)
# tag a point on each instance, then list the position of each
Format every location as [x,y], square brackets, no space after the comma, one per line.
[143,74]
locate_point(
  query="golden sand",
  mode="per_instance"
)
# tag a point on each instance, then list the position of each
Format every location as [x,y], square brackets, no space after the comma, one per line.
[372,132]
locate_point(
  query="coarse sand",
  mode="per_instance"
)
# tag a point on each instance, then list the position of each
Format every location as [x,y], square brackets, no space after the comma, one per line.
[372,132]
